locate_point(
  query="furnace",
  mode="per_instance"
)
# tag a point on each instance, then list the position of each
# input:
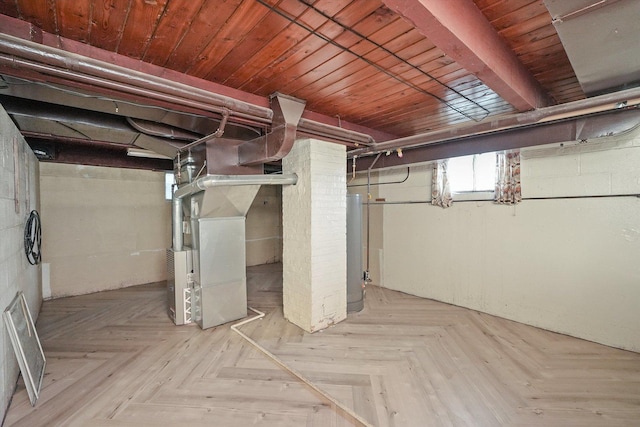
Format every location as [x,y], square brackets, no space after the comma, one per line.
[217,180]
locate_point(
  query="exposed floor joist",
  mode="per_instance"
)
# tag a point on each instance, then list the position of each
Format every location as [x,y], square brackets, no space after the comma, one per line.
[463,33]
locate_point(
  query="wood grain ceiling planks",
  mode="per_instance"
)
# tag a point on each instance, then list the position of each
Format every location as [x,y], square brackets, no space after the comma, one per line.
[352,58]
[73,20]
[107,23]
[172,26]
[41,13]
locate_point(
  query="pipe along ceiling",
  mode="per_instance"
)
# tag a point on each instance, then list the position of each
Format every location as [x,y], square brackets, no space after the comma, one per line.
[262,134]
[249,123]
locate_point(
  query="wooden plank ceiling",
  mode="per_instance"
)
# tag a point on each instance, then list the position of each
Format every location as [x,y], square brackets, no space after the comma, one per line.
[352,59]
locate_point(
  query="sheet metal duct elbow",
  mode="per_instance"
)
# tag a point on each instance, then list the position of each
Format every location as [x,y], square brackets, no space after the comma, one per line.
[275,145]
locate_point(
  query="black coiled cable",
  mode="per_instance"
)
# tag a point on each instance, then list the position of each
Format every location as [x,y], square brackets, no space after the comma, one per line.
[33,238]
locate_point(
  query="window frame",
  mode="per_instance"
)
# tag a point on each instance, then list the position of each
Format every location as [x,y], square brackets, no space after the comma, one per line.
[470,195]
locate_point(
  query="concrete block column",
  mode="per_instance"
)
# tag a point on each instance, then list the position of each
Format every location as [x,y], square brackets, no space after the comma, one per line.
[314,235]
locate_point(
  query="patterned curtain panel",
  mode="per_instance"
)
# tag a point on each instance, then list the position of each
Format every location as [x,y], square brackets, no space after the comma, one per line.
[508,190]
[440,193]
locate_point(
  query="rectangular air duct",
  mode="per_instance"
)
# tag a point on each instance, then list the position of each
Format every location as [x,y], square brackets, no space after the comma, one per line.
[601,41]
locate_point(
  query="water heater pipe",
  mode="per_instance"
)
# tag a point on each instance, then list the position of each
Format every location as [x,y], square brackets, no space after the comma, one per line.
[210,181]
[367,274]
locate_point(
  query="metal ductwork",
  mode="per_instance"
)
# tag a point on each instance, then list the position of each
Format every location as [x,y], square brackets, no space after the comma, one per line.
[575,129]
[161,130]
[207,282]
[230,206]
[514,130]
[106,84]
[277,143]
[206,266]
[220,155]
[24,54]
[211,181]
[605,57]
[92,125]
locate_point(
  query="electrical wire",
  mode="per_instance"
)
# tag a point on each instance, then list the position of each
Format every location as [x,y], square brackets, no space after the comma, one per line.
[293,20]
[347,410]
[376,184]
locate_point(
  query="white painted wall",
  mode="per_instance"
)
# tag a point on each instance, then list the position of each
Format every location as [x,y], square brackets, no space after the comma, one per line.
[16,274]
[103,228]
[566,265]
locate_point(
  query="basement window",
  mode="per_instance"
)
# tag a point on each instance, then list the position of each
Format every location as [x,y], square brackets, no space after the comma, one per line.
[473,176]
[168,185]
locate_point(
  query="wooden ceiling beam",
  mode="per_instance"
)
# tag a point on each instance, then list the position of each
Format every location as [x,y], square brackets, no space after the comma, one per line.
[461,31]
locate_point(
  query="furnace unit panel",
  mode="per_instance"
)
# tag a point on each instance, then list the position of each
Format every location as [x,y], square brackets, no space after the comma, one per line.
[220,271]
[178,287]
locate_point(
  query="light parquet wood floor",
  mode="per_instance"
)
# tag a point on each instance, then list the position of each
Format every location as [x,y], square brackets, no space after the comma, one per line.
[115,359]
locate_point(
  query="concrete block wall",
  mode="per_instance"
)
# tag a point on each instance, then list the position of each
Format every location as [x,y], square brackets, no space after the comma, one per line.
[314,235]
[103,228]
[568,265]
[605,166]
[16,274]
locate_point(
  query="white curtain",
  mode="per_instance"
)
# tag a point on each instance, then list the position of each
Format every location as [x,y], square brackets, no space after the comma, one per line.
[508,190]
[440,193]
